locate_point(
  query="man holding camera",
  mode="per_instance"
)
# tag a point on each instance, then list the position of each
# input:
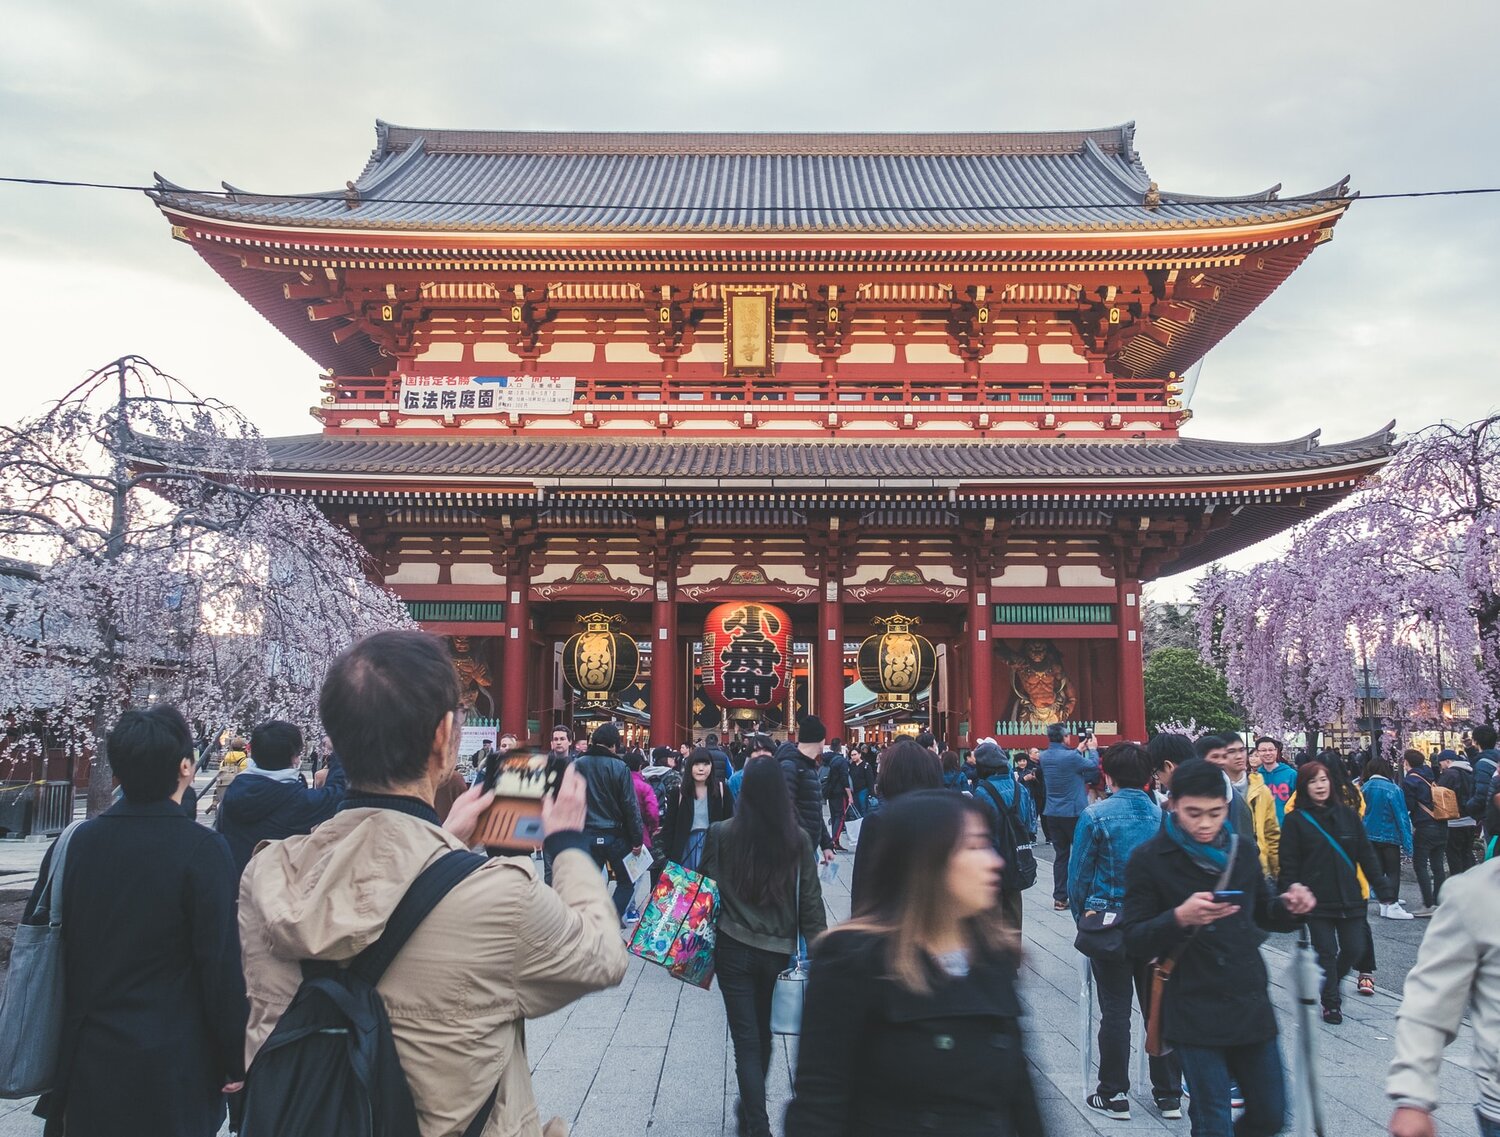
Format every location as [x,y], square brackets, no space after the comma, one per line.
[499,948]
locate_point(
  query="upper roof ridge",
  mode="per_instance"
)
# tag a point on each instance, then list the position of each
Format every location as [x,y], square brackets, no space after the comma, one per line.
[392,139]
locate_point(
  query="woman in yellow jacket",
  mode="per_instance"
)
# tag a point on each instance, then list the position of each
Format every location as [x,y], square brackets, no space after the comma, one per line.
[236,758]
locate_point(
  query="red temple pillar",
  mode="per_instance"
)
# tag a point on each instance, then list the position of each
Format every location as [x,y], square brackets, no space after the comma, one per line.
[664,668]
[981,660]
[514,705]
[829,699]
[1132,670]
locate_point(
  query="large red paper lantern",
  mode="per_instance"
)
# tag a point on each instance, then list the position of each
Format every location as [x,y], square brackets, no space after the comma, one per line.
[746,656]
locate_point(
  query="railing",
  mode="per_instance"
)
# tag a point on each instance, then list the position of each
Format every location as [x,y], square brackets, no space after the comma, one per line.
[794,387]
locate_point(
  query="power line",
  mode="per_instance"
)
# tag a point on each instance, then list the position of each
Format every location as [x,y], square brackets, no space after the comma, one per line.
[337,197]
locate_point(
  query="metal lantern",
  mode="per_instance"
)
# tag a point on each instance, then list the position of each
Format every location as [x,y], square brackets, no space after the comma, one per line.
[599,662]
[746,661]
[898,664]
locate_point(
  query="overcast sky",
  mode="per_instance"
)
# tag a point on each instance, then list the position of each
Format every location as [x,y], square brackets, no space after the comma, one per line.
[1395,318]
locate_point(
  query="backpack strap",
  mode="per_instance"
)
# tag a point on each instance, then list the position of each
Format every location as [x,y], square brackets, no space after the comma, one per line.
[425,893]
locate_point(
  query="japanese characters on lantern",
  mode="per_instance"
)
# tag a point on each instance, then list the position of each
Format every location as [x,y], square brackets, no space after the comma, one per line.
[746,655]
[898,664]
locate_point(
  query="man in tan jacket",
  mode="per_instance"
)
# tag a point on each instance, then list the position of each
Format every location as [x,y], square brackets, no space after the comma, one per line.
[500,948]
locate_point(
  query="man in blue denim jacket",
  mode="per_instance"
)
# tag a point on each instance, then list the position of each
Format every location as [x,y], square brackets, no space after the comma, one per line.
[1108,832]
[1067,773]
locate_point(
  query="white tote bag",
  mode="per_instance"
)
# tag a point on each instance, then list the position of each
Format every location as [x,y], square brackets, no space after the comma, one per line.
[786,997]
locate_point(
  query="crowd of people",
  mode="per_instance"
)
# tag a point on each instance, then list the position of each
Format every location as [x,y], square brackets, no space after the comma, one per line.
[187,946]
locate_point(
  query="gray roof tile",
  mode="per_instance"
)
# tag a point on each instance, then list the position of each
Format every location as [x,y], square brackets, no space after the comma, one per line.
[509,181]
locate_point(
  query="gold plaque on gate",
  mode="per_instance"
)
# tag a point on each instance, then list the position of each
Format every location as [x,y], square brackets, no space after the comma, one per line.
[749,331]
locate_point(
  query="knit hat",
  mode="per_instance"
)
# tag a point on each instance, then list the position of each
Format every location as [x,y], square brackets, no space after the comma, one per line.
[988,755]
[606,737]
[1447,756]
[811,729]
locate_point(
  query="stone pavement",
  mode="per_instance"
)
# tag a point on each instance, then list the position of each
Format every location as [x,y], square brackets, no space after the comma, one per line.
[652,1057]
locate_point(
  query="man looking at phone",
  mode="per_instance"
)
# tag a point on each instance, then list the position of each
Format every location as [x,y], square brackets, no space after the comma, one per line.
[1195,898]
[614,819]
[499,948]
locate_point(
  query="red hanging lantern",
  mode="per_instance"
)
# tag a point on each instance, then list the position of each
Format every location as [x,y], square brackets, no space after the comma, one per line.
[746,658]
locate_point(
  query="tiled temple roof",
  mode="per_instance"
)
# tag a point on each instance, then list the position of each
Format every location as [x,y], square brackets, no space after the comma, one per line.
[733,462]
[537,182]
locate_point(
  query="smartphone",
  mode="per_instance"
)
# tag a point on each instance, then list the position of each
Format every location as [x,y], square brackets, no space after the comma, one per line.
[1229,896]
[513,819]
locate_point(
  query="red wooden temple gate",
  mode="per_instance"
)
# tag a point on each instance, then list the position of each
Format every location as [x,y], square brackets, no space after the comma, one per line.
[935,375]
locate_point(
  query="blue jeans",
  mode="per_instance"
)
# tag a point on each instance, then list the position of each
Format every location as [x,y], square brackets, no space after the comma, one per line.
[1487,1128]
[1255,1068]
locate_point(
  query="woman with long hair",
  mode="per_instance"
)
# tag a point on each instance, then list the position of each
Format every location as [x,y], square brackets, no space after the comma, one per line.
[768,884]
[905,767]
[911,1020]
[1324,846]
[700,802]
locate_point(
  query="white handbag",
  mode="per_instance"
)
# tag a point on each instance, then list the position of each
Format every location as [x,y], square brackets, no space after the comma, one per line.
[786,997]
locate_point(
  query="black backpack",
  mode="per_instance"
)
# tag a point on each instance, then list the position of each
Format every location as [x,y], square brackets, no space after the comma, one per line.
[330,1068]
[1019,872]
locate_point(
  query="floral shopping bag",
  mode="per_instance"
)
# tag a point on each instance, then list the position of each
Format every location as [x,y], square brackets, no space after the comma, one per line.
[677,927]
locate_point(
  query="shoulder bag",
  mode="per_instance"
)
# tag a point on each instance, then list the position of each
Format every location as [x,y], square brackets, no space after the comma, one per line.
[791,984]
[31,1011]
[1162,969]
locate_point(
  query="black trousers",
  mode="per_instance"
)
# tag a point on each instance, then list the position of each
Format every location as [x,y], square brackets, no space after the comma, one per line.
[747,977]
[1429,846]
[1339,942]
[610,849]
[1060,833]
[1114,981]
[1461,848]
[1012,906]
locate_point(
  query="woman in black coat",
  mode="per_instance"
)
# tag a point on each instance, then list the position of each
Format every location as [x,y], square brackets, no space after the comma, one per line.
[1322,842]
[154,1019]
[701,800]
[911,1022]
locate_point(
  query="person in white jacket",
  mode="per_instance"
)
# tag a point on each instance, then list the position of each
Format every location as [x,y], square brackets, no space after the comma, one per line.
[1457,973]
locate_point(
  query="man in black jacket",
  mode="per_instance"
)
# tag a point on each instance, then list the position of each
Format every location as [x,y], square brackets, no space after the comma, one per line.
[613,824]
[271,800]
[799,767]
[838,791]
[1216,1014]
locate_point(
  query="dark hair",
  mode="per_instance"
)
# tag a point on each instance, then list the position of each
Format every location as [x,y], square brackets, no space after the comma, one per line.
[382,702]
[926,740]
[275,745]
[762,742]
[1199,778]
[772,843]
[1127,765]
[1207,743]
[635,761]
[1484,736]
[565,728]
[1305,775]
[710,739]
[687,793]
[1174,748]
[951,761]
[1276,742]
[919,836]
[1055,732]
[907,765]
[145,749]
[1378,768]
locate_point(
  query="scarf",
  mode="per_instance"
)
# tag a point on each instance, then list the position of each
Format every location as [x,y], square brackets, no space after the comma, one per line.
[1211,857]
[290,774]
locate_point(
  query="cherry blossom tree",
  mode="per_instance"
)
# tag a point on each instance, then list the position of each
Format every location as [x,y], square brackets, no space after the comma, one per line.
[1402,583]
[167,570]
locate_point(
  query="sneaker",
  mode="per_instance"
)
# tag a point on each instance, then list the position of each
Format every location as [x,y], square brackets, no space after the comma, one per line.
[1366,984]
[1059,906]
[1333,1016]
[1236,1098]
[1396,911]
[1425,913]
[1117,1107]
[1170,1108]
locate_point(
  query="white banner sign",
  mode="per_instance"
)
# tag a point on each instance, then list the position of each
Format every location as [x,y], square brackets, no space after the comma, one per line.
[483,394]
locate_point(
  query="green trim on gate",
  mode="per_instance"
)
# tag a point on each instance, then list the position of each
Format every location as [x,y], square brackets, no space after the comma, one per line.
[457,611]
[1054,613]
